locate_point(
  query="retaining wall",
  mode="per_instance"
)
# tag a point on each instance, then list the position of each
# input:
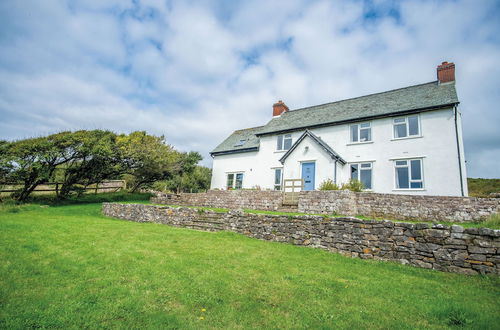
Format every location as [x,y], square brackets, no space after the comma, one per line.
[445,248]
[392,206]
[231,199]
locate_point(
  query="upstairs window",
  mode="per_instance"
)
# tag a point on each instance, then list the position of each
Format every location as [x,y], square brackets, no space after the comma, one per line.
[240,143]
[409,174]
[363,173]
[406,127]
[234,181]
[361,132]
[284,142]
[278,178]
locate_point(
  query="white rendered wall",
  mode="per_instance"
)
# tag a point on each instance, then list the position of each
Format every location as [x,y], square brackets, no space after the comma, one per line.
[436,146]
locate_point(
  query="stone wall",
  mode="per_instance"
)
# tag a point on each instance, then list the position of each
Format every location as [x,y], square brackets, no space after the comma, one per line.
[400,207]
[444,248]
[390,206]
[231,199]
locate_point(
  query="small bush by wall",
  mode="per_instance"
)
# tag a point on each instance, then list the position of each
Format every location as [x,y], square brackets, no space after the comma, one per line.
[445,248]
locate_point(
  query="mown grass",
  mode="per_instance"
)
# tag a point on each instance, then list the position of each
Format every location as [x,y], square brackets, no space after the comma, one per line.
[70,267]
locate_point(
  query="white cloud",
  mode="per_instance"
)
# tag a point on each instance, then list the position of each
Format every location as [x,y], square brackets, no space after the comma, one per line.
[195,71]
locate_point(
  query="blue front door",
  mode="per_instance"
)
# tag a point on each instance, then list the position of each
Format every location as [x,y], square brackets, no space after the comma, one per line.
[308,170]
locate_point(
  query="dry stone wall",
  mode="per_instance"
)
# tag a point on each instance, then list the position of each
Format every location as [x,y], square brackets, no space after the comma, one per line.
[231,199]
[445,248]
[391,206]
[401,207]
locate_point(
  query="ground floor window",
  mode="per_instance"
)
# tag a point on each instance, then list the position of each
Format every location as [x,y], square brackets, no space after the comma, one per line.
[363,173]
[278,178]
[234,181]
[409,174]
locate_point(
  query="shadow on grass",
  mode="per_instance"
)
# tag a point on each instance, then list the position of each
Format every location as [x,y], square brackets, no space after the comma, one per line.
[13,206]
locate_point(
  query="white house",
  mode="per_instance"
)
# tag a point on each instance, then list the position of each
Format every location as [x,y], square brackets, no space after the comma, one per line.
[404,141]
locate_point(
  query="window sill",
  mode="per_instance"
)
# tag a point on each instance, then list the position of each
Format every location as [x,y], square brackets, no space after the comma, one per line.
[356,143]
[280,151]
[409,189]
[407,138]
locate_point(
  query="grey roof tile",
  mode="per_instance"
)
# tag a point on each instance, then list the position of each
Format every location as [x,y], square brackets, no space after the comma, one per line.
[391,102]
[248,134]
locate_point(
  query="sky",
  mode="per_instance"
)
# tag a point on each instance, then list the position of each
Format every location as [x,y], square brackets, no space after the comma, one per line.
[194,71]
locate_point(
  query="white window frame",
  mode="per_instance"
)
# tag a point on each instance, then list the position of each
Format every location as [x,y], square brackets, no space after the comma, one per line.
[360,168]
[410,180]
[278,186]
[407,125]
[359,129]
[280,142]
[233,183]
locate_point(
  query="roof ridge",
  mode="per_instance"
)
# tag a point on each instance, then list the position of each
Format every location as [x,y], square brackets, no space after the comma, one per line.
[247,129]
[359,97]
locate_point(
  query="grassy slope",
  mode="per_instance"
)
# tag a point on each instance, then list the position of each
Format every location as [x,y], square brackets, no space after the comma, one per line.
[483,187]
[68,266]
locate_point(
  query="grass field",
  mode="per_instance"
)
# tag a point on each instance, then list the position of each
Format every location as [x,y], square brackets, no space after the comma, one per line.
[69,267]
[483,187]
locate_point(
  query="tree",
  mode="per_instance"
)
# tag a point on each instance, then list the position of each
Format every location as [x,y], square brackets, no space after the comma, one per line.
[148,158]
[33,161]
[197,180]
[95,158]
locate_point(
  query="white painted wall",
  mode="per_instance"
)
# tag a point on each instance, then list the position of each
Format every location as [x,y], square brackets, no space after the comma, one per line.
[436,146]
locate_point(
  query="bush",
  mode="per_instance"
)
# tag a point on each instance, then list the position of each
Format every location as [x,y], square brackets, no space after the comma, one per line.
[328,184]
[353,185]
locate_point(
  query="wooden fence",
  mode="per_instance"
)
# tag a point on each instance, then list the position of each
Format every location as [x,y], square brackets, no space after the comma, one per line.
[50,187]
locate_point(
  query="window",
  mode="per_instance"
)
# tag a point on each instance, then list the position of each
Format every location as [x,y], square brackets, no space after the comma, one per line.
[284,142]
[363,173]
[409,174]
[240,143]
[406,127]
[234,181]
[278,176]
[361,132]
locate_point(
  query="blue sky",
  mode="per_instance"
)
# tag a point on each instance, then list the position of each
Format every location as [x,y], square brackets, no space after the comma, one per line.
[195,71]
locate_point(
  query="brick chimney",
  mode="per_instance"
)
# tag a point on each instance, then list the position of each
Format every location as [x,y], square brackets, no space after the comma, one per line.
[278,108]
[446,72]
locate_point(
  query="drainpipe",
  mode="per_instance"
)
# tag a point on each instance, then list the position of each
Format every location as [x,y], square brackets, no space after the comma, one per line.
[335,173]
[455,111]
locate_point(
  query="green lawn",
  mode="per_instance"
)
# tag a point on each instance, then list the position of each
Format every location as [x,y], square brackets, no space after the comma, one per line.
[70,267]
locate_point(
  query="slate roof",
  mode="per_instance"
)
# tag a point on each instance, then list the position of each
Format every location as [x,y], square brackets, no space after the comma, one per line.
[316,139]
[248,134]
[416,98]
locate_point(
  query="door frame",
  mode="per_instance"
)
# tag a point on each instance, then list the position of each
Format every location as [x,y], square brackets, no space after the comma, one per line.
[302,174]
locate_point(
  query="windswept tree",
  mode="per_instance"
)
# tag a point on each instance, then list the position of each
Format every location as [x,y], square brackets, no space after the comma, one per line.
[33,161]
[95,158]
[148,159]
[85,157]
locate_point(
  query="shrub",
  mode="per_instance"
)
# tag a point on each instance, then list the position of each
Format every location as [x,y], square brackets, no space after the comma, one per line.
[328,184]
[353,185]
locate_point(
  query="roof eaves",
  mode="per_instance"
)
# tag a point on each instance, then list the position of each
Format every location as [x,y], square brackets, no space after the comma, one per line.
[234,151]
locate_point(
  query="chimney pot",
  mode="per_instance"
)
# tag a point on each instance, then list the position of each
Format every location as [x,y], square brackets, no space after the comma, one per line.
[446,72]
[278,108]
